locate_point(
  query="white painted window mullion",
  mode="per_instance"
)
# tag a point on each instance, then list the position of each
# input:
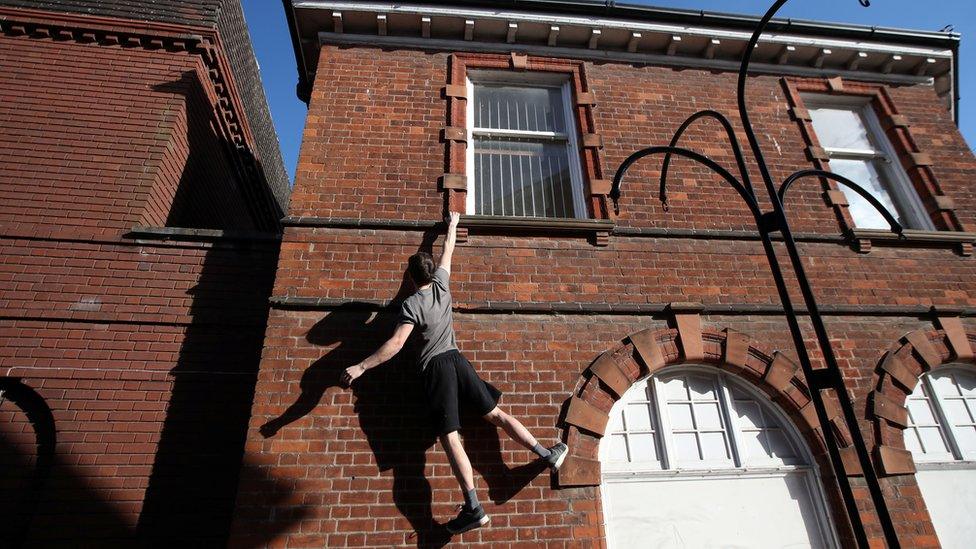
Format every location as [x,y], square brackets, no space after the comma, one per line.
[668,460]
[735,438]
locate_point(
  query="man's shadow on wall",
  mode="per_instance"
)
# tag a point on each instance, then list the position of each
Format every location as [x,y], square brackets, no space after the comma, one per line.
[390,403]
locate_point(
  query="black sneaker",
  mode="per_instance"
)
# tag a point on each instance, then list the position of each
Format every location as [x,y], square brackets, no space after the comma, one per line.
[556,456]
[468,519]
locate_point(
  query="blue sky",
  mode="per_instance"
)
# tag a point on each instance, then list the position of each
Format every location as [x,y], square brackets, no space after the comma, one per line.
[272,45]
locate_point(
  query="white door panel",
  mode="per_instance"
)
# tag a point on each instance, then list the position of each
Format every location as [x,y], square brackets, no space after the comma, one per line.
[704,512]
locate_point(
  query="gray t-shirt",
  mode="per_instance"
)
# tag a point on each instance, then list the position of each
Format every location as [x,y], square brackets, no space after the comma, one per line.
[430,310]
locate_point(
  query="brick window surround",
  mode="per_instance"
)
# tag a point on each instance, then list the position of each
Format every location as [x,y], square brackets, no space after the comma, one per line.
[916,163]
[454,181]
[896,376]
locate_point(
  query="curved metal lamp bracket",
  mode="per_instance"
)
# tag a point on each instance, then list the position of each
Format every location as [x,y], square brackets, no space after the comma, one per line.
[788,182]
[775,220]
[745,193]
[733,142]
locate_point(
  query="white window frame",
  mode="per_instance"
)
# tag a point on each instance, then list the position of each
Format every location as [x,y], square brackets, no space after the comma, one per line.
[570,137]
[955,458]
[895,179]
[668,463]
[617,473]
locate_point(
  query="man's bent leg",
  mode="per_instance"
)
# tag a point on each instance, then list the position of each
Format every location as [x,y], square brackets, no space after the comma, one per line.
[553,455]
[512,426]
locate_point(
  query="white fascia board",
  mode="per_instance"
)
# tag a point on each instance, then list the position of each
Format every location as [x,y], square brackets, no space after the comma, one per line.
[605,55]
[623,24]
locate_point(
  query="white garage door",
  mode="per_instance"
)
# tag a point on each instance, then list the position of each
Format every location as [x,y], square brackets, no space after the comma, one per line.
[694,458]
[942,438]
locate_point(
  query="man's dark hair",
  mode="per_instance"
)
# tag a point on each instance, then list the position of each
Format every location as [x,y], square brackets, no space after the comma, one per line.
[421,268]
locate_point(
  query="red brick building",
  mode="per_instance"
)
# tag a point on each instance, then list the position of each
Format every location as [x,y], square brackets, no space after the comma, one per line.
[651,340]
[142,189]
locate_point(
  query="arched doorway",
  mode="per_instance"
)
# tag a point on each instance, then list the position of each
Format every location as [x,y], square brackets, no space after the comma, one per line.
[694,457]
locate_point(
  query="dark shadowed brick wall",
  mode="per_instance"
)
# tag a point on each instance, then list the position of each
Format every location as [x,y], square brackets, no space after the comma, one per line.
[138,237]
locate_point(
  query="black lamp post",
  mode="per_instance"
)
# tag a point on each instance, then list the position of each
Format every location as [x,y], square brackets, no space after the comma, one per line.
[773,221]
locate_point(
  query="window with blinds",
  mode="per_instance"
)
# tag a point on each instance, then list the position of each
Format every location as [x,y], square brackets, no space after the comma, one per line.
[851,135]
[522,158]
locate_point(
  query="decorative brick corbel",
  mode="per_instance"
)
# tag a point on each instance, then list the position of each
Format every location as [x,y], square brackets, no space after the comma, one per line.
[592,141]
[687,318]
[519,62]
[956,335]
[835,84]
[924,349]
[895,368]
[450,133]
[579,471]
[736,349]
[882,406]
[456,91]
[455,181]
[585,99]
[647,349]
[780,372]
[605,368]
[894,461]
[836,198]
[584,415]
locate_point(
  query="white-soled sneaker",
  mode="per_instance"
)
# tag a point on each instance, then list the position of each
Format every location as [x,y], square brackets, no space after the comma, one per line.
[557,454]
[468,519]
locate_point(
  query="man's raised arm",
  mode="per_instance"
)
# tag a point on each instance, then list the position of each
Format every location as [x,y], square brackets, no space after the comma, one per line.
[386,351]
[452,223]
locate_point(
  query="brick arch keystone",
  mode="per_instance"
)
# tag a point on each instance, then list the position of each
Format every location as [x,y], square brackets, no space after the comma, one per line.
[897,374]
[645,352]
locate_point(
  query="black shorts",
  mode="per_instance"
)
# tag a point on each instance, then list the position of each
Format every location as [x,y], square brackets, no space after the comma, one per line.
[452,387]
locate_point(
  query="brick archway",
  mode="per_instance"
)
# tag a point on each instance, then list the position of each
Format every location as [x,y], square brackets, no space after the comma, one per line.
[646,352]
[897,374]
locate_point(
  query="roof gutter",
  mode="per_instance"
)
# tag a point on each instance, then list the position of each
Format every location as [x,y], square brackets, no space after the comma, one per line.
[303,88]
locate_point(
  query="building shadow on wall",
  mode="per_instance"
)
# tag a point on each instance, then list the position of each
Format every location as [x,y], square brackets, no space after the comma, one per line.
[190,497]
[392,413]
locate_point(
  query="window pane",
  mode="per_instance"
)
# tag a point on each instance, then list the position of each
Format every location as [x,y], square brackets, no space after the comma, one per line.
[702,388]
[956,411]
[686,447]
[616,422]
[638,416]
[932,440]
[840,128]
[521,177]
[865,174]
[674,389]
[754,443]
[921,412]
[748,414]
[618,448]
[945,385]
[713,446]
[779,445]
[967,439]
[707,416]
[680,415]
[519,108]
[642,447]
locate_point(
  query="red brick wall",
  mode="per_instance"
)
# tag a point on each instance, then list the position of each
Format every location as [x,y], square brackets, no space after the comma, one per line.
[143,351]
[356,467]
[117,126]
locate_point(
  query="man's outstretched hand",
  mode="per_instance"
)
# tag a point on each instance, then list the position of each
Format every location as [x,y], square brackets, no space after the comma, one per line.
[351,374]
[452,220]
